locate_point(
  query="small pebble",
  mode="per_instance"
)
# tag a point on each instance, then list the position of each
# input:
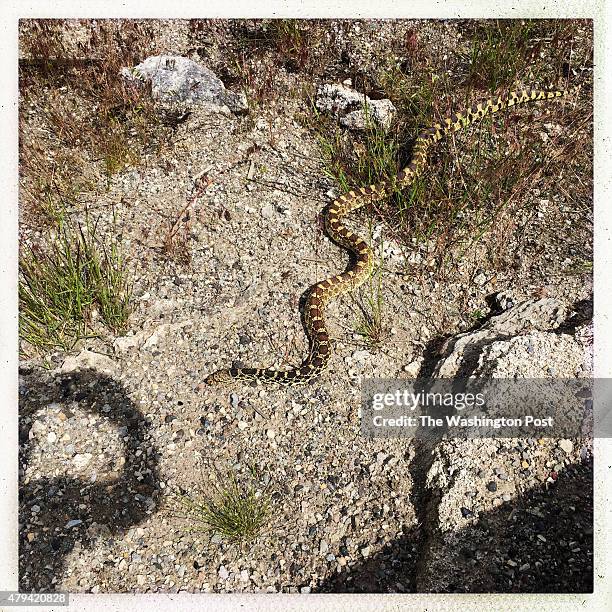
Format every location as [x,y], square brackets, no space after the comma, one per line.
[223,573]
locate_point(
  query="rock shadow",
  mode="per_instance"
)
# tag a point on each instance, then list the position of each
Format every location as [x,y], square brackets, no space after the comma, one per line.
[541,542]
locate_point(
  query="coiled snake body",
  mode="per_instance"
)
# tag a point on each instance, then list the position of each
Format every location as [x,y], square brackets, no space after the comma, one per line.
[321,293]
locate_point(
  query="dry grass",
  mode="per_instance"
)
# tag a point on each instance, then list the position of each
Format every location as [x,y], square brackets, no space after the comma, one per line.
[80,124]
[258,49]
[93,123]
[483,175]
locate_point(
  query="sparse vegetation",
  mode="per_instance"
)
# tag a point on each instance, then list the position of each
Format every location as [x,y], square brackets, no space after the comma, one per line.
[295,40]
[69,282]
[480,174]
[88,107]
[73,279]
[236,508]
[504,51]
[370,322]
[478,315]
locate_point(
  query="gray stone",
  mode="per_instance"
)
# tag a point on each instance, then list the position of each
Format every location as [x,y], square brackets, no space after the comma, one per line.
[480,278]
[81,461]
[355,110]
[88,360]
[377,112]
[176,79]
[267,212]
[338,99]
[486,348]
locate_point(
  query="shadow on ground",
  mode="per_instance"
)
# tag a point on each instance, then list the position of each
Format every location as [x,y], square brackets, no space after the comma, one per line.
[110,506]
[541,542]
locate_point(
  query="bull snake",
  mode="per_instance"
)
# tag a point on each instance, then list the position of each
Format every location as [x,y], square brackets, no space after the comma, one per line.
[321,293]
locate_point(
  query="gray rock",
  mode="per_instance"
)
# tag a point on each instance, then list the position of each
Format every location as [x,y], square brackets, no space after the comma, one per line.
[81,461]
[567,446]
[176,79]
[126,343]
[413,368]
[529,316]
[480,278]
[338,99]
[379,112]
[356,111]
[88,360]
[267,212]
[37,428]
[361,356]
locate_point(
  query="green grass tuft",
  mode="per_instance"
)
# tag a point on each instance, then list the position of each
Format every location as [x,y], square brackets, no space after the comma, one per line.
[66,282]
[235,509]
[370,323]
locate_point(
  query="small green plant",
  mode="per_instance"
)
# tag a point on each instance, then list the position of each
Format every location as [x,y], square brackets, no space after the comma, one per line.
[374,157]
[116,149]
[580,266]
[413,95]
[370,323]
[238,510]
[478,315]
[63,283]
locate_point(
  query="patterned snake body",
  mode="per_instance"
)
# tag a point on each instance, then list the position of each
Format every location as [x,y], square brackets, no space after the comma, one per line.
[321,293]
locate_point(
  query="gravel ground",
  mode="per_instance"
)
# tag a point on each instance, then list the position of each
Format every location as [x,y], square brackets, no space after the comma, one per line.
[111,431]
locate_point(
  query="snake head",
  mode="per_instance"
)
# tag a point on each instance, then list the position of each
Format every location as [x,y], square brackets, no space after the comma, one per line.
[220,377]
